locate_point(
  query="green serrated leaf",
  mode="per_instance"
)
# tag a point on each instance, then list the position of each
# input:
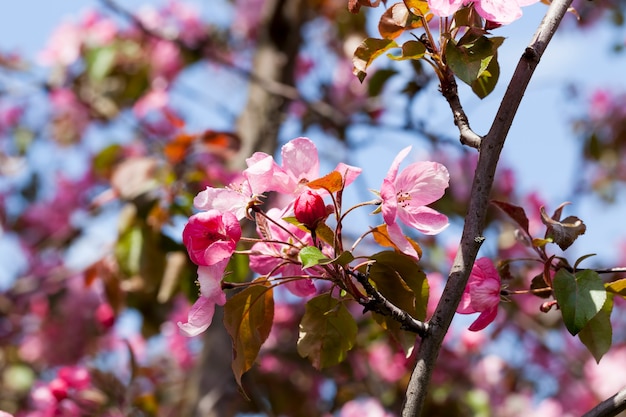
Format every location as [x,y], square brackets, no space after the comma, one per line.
[597,334]
[310,256]
[580,297]
[248,318]
[327,331]
[366,52]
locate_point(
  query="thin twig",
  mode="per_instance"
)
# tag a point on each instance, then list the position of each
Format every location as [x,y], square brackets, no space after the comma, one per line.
[471,240]
[449,90]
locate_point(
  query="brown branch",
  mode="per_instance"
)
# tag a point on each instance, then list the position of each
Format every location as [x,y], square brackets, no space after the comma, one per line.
[379,304]
[471,239]
[609,407]
[449,90]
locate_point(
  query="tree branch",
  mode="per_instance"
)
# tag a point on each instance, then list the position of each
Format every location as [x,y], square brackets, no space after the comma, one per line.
[471,239]
[609,407]
[450,91]
[378,303]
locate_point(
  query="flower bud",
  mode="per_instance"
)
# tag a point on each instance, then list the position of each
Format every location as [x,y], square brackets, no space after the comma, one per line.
[310,209]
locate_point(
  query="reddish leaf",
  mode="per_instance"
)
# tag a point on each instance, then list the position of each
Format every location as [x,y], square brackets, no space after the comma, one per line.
[398,18]
[355,5]
[564,232]
[514,212]
[248,318]
[331,182]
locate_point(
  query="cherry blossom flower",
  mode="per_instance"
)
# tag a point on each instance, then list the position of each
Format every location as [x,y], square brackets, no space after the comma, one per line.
[482,294]
[498,11]
[201,313]
[211,237]
[406,195]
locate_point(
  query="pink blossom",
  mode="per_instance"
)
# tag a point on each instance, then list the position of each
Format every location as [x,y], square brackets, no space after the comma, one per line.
[64,45]
[201,313]
[482,294]
[211,237]
[390,365]
[235,198]
[367,407]
[405,196]
[498,11]
[165,59]
[156,99]
[76,377]
[602,377]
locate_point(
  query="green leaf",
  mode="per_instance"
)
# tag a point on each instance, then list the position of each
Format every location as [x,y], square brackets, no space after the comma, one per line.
[401,281]
[248,318]
[597,335]
[366,52]
[580,297]
[311,256]
[344,258]
[378,80]
[487,81]
[617,287]
[100,61]
[471,55]
[327,331]
[410,50]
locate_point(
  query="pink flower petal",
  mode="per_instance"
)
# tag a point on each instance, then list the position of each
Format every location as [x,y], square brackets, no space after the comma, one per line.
[424,219]
[300,159]
[199,318]
[399,239]
[484,319]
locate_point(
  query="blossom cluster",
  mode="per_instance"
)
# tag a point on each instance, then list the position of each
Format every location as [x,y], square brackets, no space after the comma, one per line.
[212,235]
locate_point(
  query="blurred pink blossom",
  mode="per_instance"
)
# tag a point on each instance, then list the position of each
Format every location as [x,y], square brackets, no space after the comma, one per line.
[482,294]
[367,407]
[388,364]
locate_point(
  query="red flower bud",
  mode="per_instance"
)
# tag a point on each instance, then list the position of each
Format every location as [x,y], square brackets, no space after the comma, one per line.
[310,209]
